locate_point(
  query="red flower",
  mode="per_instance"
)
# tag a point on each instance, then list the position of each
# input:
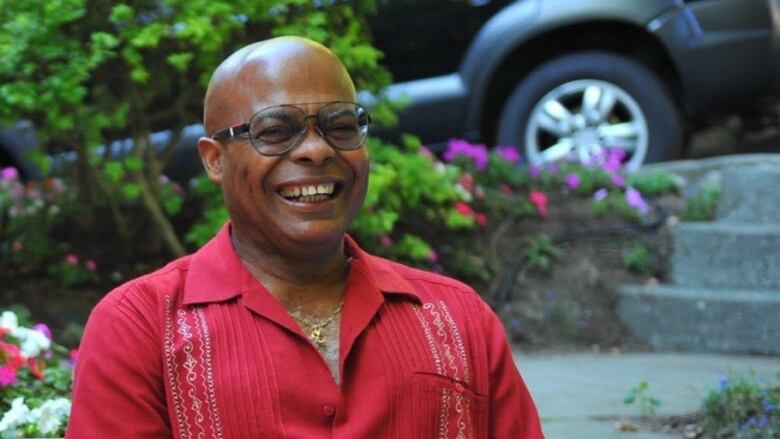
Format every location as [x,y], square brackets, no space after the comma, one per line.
[10,355]
[35,368]
[464,208]
[506,189]
[539,200]
[481,218]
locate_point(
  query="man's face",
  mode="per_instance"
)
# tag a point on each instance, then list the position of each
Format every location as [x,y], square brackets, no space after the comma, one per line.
[260,191]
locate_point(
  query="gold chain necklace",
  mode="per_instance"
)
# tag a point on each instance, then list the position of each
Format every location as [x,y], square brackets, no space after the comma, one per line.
[315,327]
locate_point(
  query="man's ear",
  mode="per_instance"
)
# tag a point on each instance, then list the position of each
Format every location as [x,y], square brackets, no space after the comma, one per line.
[212,155]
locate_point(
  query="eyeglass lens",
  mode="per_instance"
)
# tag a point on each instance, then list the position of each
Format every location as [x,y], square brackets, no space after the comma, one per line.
[277,129]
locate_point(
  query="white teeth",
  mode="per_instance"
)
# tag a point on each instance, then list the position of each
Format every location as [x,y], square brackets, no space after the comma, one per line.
[297,191]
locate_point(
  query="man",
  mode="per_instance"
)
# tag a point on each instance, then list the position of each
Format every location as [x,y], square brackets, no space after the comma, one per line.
[281,326]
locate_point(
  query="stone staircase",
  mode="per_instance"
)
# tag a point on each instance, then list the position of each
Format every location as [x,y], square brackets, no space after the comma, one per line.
[724,294]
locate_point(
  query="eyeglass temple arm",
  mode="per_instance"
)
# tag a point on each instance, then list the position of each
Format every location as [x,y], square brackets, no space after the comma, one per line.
[231,132]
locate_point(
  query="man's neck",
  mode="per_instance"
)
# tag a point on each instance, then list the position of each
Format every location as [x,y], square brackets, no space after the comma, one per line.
[314,282]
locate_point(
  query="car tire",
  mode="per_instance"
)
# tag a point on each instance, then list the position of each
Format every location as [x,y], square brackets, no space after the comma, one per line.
[641,102]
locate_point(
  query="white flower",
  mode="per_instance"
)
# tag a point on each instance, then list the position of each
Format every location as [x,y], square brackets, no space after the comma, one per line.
[17,415]
[51,415]
[9,321]
[32,342]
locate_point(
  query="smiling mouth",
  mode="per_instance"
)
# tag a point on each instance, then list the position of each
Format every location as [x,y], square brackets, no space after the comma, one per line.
[310,193]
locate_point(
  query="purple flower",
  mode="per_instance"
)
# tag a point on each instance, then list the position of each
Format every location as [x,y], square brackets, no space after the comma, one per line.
[477,153]
[635,200]
[534,171]
[552,168]
[600,194]
[618,180]
[43,328]
[614,160]
[509,153]
[572,180]
[9,173]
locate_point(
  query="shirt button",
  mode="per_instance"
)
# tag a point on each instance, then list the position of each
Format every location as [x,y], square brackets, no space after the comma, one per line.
[329,410]
[459,387]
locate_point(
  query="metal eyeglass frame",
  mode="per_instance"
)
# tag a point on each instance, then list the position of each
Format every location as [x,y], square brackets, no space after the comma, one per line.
[242,129]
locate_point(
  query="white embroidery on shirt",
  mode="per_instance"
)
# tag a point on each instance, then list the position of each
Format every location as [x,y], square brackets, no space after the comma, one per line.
[171,363]
[203,330]
[446,341]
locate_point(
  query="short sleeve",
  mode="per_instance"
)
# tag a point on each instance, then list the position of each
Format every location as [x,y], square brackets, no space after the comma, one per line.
[118,389]
[512,412]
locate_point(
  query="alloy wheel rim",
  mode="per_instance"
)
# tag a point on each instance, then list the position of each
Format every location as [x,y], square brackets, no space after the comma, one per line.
[581,120]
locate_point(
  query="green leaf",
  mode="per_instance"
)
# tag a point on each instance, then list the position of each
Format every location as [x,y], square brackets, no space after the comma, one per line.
[121,13]
[133,163]
[114,171]
[131,191]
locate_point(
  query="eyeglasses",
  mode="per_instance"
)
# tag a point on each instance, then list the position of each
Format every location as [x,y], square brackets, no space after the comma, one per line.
[278,129]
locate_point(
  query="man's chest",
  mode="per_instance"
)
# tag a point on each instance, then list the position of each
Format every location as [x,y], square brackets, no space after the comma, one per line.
[417,370]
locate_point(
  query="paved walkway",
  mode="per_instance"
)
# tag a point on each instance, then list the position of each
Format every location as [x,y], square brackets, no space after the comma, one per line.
[574,392]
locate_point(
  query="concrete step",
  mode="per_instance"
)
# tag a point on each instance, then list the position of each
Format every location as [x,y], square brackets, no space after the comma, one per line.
[749,194]
[726,255]
[702,320]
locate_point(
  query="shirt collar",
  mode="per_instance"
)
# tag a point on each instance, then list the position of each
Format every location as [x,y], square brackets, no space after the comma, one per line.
[216,273]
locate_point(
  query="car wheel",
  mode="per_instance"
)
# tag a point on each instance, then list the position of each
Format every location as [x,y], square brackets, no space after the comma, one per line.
[578,106]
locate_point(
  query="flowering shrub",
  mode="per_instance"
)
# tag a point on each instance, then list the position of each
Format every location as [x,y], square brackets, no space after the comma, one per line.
[35,381]
[743,408]
[28,213]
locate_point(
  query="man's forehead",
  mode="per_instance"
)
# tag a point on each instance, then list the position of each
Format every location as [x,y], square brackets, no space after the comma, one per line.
[278,71]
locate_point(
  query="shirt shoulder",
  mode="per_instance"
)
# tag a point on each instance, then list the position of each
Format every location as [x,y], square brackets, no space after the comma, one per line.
[426,282]
[150,289]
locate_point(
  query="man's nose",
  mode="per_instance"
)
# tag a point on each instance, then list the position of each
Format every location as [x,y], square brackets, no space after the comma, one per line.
[313,148]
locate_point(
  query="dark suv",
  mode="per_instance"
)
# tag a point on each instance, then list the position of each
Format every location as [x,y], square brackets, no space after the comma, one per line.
[560,78]
[569,78]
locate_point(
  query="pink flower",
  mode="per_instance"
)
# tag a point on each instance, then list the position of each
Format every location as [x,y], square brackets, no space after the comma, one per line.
[635,200]
[432,256]
[91,265]
[618,180]
[509,153]
[467,181]
[481,218]
[424,151]
[539,200]
[385,240]
[479,192]
[9,173]
[72,259]
[506,189]
[7,376]
[572,180]
[44,328]
[464,208]
[600,194]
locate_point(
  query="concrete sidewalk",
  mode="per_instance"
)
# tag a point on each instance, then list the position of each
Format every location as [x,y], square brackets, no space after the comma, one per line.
[575,392]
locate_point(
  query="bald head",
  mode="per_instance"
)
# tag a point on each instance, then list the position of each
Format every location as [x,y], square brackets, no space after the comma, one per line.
[281,70]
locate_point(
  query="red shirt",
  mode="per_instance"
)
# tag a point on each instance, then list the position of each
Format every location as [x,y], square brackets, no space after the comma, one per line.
[200,348]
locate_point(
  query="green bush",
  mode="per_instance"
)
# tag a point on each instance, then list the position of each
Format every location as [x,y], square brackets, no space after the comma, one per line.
[703,205]
[743,407]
